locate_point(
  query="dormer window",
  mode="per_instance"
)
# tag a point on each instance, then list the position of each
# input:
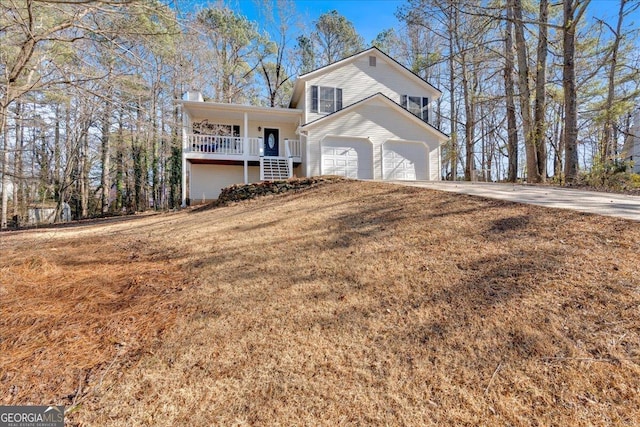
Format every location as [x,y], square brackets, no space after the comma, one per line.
[417,105]
[325,99]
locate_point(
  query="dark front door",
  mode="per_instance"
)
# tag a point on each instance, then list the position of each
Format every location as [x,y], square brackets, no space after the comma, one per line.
[271,142]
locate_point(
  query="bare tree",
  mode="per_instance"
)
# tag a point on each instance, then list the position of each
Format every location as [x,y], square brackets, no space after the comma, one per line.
[512,130]
[573,11]
[39,37]
[607,146]
[539,126]
[275,63]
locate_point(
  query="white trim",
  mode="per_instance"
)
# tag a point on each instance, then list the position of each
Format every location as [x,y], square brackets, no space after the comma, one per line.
[240,108]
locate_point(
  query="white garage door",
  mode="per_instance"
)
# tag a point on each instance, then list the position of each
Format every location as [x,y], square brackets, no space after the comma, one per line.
[350,157]
[404,160]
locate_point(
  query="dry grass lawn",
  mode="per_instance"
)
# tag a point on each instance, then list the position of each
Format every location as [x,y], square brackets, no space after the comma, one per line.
[350,303]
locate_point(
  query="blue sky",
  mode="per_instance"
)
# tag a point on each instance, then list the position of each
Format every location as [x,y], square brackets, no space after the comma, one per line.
[370,17]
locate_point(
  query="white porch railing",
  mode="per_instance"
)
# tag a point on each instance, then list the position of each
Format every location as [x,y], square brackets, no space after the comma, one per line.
[295,147]
[237,146]
[225,145]
[289,156]
[254,146]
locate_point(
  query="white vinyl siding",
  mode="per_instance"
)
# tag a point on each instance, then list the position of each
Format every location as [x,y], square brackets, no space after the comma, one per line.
[359,80]
[206,181]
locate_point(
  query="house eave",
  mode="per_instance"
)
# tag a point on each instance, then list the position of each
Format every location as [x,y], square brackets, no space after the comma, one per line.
[204,109]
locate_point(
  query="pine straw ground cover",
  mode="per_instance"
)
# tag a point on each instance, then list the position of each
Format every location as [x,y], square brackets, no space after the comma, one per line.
[350,303]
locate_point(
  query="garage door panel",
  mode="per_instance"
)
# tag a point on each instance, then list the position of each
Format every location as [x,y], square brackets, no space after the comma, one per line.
[404,161]
[347,157]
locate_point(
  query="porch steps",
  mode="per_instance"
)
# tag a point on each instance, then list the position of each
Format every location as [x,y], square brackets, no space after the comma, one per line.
[275,168]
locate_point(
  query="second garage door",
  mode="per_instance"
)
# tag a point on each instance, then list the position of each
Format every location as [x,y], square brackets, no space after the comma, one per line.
[404,160]
[350,157]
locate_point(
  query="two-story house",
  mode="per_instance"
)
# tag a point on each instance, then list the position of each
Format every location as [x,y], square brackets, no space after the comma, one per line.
[364,117]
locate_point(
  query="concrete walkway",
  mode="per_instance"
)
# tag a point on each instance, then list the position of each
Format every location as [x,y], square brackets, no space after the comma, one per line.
[617,205]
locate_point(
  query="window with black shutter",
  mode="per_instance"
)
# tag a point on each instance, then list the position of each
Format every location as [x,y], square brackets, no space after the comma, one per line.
[325,99]
[425,109]
[417,105]
[314,99]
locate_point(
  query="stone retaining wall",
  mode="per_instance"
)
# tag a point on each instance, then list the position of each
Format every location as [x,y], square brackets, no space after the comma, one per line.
[240,192]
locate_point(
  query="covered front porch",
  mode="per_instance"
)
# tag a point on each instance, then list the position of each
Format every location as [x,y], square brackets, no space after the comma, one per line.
[240,136]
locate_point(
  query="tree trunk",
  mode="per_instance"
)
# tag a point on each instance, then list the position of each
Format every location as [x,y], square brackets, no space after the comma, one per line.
[558,133]
[453,152]
[120,167]
[85,167]
[525,94]
[512,130]
[570,23]
[105,182]
[5,175]
[18,178]
[539,105]
[57,161]
[469,124]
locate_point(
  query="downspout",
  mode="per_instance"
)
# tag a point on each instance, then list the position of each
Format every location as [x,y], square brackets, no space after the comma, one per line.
[382,161]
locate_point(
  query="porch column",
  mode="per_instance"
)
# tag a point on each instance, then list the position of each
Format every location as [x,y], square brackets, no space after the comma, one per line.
[184,182]
[185,145]
[245,150]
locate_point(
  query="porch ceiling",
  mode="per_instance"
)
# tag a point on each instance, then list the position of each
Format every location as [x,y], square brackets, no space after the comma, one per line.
[204,110]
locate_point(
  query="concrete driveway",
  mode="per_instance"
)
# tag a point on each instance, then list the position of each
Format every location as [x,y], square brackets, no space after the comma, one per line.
[617,205]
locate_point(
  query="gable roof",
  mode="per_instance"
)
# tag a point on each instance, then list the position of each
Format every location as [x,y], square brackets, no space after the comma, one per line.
[394,105]
[298,87]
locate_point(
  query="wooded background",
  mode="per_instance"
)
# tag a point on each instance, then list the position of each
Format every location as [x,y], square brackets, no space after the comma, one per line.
[532,90]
